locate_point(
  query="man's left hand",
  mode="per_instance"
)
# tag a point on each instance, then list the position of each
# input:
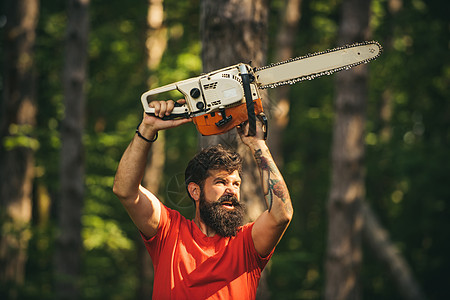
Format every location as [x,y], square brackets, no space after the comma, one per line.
[251,141]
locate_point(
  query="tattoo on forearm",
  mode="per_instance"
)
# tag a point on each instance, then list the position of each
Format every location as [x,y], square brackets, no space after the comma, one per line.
[278,188]
[272,184]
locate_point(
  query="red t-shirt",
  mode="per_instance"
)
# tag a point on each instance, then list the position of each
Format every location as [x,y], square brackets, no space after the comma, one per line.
[190,265]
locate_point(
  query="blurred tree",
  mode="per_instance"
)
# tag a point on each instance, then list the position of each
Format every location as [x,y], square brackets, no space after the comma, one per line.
[389,255]
[17,142]
[278,108]
[344,253]
[233,32]
[156,44]
[68,255]
[246,25]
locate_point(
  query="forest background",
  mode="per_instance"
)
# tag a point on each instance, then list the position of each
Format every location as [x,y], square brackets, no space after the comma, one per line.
[407,138]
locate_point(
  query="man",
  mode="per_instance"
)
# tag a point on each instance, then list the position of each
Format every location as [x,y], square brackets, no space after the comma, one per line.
[212,256]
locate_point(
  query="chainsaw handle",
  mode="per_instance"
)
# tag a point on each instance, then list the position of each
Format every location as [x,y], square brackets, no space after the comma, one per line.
[248,100]
[179,111]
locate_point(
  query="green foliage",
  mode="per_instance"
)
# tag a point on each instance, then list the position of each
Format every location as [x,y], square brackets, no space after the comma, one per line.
[406,178]
[406,170]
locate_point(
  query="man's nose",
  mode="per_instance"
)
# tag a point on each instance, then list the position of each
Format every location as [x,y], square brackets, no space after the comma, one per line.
[232,189]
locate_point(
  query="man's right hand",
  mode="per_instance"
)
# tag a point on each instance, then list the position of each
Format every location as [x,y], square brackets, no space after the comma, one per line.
[152,124]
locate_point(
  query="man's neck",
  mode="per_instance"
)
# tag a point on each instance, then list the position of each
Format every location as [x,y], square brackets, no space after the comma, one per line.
[203,227]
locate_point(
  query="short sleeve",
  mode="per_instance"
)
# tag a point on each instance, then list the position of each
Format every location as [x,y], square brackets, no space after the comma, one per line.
[156,243]
[253,255]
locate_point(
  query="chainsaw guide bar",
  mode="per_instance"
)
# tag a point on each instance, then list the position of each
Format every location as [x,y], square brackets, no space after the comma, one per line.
[314,65]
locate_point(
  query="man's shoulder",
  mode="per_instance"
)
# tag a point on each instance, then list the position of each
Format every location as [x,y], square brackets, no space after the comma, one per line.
[247,226]
[171,213]
[245,229]
[173,217]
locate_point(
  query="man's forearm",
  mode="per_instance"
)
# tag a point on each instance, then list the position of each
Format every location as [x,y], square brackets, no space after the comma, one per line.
[274,187]
[132,166]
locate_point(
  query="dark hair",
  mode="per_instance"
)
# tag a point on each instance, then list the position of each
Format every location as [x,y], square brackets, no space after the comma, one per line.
[212,158]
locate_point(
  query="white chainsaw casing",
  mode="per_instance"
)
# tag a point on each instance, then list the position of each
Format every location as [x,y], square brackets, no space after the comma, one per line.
[206,93]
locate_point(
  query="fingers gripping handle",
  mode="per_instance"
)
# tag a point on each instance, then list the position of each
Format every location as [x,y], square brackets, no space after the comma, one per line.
[179,111]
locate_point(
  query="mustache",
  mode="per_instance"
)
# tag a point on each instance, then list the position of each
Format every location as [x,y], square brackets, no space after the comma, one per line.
[229,199]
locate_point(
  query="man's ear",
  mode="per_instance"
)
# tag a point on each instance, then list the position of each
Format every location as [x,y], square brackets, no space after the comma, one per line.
[194,190]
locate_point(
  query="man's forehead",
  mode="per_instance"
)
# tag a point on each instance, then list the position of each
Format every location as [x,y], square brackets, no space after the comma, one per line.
[224,174]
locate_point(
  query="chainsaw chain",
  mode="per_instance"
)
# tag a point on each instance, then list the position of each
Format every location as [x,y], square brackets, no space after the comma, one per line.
[313,76]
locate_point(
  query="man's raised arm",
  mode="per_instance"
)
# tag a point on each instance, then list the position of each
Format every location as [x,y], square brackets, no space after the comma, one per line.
[142,206]
[272,223]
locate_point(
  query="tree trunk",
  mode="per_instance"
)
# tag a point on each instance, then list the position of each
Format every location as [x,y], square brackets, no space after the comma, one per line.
[347,192]
[69,243]
[232,32]
[386,109]
[244,23]
[278,108]
[156,44]
[17,144]
[378,240]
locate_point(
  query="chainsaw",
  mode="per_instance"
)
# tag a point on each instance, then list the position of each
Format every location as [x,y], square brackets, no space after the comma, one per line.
[223,99]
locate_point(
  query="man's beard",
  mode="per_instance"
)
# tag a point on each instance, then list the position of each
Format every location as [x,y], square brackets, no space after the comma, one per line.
[223,221]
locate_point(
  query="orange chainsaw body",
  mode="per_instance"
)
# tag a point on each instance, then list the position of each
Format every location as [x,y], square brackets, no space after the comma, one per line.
[206,123]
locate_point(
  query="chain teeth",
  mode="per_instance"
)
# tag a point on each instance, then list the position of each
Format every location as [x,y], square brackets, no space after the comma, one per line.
[316,75]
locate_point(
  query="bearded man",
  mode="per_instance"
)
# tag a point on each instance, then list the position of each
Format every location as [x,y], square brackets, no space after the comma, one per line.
[213,256]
